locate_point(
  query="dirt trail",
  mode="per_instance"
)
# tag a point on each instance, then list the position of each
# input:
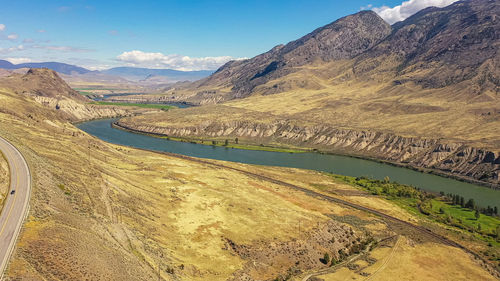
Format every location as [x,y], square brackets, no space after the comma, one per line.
[387,259]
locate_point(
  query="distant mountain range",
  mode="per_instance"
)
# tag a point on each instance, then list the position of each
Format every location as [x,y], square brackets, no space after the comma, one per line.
[129,73]
[135,73]
[56,66]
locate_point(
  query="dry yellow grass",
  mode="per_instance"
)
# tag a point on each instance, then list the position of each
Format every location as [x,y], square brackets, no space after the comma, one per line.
[405,111]
[407,261]
[106,212]
[4,178]
[116,213]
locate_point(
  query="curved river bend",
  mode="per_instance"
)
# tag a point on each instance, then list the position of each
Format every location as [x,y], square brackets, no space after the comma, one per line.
[342,165]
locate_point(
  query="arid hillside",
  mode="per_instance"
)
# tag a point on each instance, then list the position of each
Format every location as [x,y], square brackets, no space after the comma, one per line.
[47,88]
[105,212]
[422,93]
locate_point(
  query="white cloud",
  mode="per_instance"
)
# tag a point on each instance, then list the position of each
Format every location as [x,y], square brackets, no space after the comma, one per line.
[11,49]
[2,27]
[41,31]
[12,36]
[408,8]
[98,67]
[19,60]
[28,40]
[173,61]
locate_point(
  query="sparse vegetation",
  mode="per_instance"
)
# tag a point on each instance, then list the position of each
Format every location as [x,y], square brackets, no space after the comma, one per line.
[325,259]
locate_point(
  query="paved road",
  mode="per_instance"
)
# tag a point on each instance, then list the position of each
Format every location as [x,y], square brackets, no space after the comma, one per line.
[16,205]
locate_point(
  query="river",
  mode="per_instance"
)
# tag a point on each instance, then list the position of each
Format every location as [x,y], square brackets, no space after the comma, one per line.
[342,165]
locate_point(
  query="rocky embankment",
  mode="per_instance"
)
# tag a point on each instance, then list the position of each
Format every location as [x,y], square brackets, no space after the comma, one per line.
[77,111]
[447,158]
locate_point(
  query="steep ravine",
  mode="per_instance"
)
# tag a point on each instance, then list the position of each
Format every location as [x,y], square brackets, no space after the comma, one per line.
[449,158]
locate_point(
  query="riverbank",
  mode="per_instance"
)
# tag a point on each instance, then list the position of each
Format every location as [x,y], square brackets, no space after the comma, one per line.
[350,166]
[243,144]
[216,142]
[141,105]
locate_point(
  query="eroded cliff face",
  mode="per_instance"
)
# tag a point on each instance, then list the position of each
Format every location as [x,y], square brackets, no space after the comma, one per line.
[77,111]
[452,158]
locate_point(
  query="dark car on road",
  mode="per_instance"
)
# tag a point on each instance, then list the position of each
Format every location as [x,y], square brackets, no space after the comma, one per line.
[12,192]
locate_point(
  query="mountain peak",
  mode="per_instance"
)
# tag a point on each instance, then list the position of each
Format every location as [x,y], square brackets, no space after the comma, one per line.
[344,38]
[46,82]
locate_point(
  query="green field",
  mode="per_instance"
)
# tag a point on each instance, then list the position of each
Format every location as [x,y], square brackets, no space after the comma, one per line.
[143,105]
[488,224]
[431,206]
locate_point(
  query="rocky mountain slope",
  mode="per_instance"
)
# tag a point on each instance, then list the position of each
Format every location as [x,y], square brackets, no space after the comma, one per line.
[453,46]
[340,40]
[439,47]
[42,82]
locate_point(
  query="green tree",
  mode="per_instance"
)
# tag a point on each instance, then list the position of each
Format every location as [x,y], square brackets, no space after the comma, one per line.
[226,142]
[477,215]
[236,140]
[470,204]
[325,259]
[462,201]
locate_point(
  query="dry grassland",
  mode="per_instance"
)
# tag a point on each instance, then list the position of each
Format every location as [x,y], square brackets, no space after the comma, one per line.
[404,260]
[106,212]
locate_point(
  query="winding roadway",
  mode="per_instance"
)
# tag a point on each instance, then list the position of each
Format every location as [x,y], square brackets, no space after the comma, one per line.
[16,206]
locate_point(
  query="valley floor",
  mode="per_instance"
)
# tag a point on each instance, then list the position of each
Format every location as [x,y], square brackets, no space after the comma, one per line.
[106,212]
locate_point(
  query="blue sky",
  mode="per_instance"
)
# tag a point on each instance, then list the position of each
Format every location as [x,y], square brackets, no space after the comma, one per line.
[184,34]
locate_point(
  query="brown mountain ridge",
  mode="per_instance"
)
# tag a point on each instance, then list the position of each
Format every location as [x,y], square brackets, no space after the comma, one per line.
[435,48]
